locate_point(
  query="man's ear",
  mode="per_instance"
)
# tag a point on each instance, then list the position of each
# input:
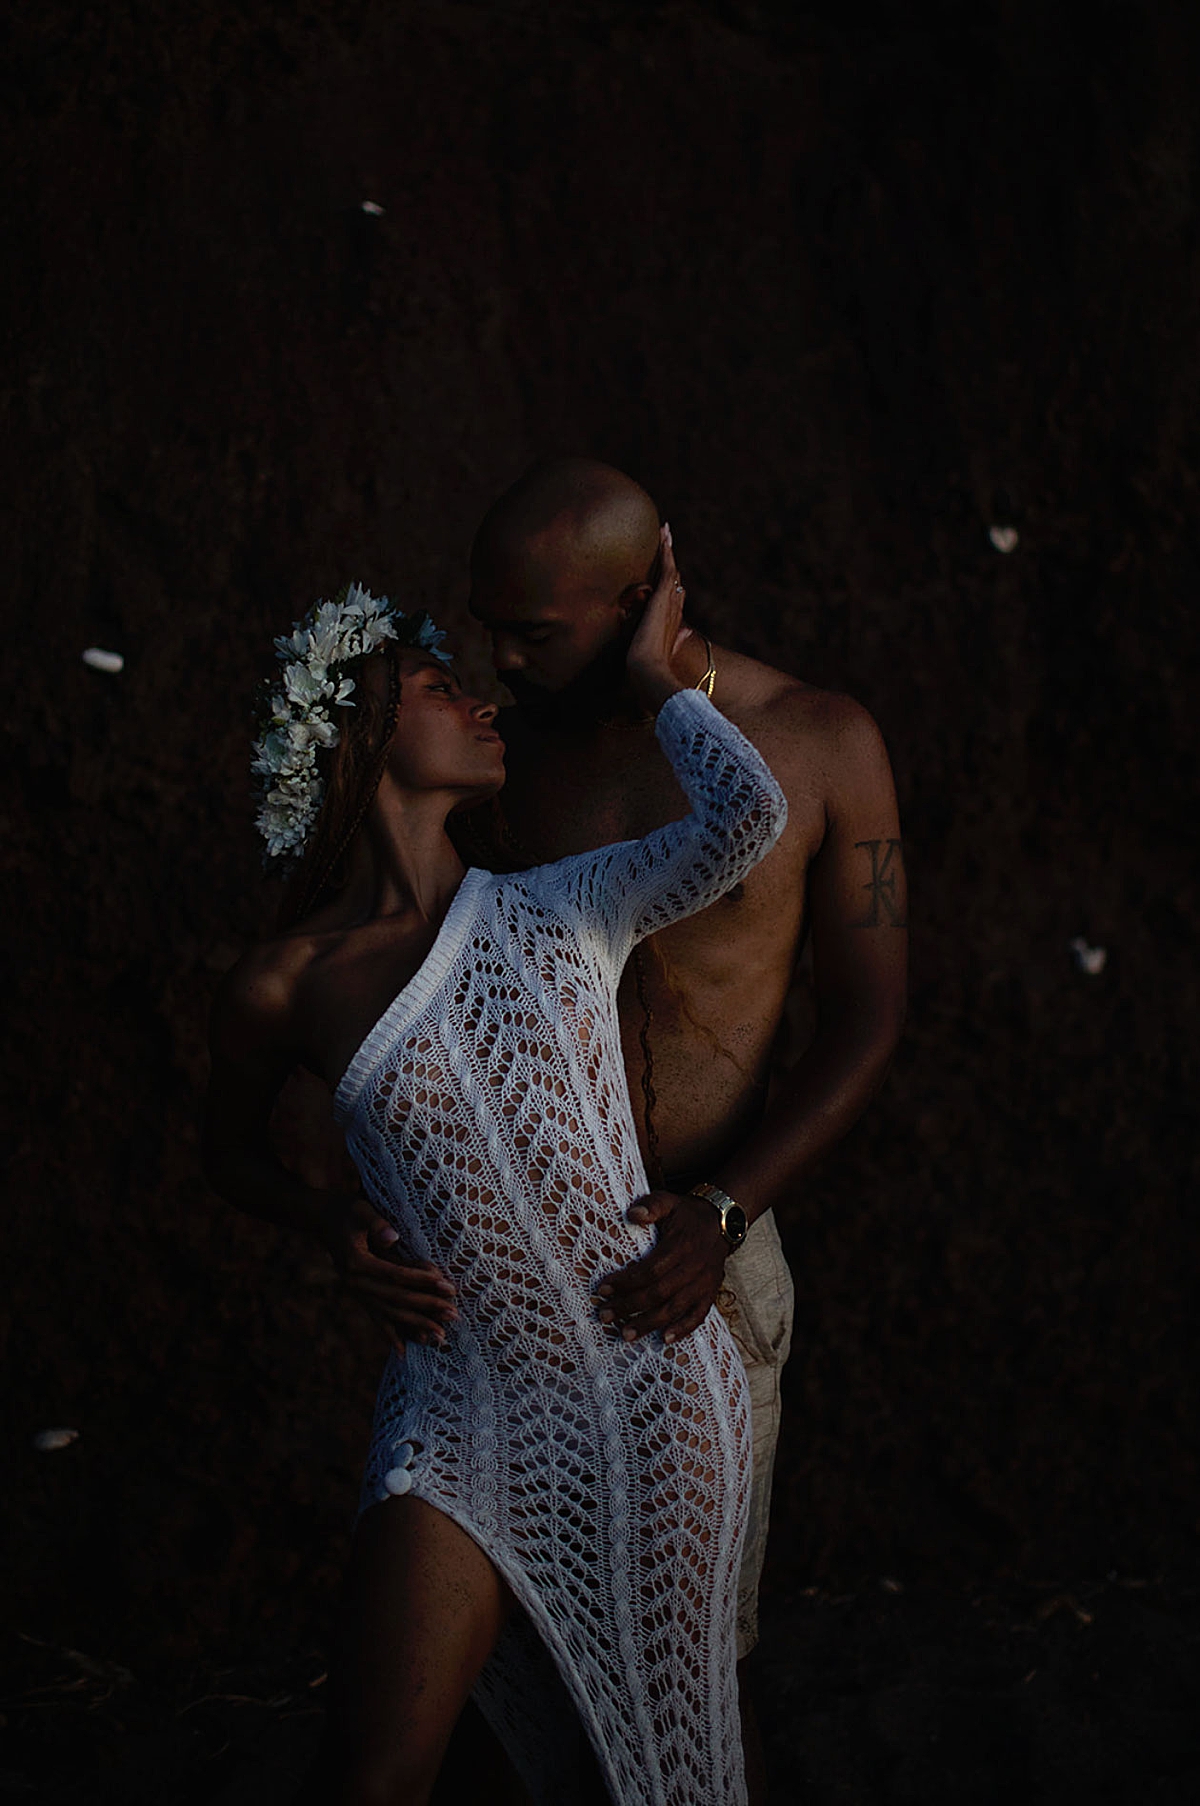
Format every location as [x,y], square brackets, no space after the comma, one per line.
[634,597]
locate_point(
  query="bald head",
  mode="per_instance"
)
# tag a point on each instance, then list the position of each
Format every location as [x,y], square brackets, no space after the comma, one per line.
[560,569]
[582,519]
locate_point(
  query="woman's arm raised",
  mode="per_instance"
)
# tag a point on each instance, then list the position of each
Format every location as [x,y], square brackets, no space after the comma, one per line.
[738,811]
[253,1051]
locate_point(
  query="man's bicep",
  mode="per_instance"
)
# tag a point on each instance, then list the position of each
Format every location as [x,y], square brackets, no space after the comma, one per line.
[858,888]
[305,1136]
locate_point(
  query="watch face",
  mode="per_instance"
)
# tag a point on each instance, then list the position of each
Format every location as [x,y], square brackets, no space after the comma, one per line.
[734,1224]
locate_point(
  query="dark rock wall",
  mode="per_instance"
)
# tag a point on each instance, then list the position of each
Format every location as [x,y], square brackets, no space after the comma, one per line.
[845,288]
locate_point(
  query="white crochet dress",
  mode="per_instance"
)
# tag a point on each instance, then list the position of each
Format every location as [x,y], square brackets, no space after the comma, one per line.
[489,1117]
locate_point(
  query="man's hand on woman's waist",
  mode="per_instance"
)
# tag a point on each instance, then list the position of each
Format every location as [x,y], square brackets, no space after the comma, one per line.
[671,1289]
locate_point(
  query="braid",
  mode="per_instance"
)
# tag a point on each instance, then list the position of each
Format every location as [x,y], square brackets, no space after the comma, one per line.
[322,871]
[369,788]
[306,897]
[483,837]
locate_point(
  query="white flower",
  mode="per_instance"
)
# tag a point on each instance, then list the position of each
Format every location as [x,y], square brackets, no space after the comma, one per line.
[271,752]
[294,644]
[297,725]
[302,685]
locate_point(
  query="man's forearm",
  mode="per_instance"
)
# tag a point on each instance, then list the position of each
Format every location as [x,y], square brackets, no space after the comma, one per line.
[820,1101]
[262,1186]
[411,1299]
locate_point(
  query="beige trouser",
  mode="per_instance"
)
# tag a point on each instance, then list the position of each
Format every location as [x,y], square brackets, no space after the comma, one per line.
[756,1302]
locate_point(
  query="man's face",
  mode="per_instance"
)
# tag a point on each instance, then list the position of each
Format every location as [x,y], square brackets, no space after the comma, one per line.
[558,641]
[550,638]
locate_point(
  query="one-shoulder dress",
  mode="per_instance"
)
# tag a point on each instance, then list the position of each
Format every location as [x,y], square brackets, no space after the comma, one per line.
[490,1119]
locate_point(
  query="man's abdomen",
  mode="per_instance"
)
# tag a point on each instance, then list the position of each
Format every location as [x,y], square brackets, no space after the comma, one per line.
[707,1050]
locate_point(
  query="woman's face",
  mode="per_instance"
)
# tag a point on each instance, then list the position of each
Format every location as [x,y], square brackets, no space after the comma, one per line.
[443,739]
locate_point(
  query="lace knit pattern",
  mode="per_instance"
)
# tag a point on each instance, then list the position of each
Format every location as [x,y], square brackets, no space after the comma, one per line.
[490,1119]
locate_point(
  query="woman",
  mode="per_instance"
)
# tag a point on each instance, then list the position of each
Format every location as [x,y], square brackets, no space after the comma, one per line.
[525,1454]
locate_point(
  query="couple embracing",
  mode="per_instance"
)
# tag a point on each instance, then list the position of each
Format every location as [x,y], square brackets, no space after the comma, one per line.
[551,1067]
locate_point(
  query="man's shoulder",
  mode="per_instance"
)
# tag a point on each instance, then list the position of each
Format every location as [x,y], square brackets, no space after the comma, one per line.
[787,710]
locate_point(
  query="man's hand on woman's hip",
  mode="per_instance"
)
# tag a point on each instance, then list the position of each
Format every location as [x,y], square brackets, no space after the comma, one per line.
[671,1289]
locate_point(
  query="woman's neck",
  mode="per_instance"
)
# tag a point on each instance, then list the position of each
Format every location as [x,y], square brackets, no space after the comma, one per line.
[403,860]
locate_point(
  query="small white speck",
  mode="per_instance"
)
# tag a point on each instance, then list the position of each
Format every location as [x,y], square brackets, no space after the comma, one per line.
[372,207]
[1091,960]
[103,661]
[891,1586]
[1004,538]
[46,1441]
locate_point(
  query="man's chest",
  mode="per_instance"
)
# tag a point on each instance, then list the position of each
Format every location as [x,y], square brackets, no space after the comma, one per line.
[556,805]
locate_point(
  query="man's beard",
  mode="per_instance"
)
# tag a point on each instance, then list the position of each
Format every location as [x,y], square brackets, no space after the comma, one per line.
[598,693]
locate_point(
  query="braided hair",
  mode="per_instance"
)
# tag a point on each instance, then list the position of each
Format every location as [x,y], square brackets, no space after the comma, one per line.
[357,765]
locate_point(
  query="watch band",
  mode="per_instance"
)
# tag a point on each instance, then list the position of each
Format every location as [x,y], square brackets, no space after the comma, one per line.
[733,1217]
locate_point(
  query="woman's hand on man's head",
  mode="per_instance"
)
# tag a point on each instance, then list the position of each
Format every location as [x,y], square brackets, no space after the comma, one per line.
[660,634]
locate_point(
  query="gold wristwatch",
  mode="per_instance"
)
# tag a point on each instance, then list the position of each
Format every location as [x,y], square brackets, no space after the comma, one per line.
[734,1226]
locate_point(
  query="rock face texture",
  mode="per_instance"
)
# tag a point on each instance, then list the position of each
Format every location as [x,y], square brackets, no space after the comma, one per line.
[850,291]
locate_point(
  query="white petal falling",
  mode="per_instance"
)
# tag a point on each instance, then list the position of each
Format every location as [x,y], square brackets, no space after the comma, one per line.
[46,1441]
[100,660]
[372,207]
[1090,960]
[1004,538]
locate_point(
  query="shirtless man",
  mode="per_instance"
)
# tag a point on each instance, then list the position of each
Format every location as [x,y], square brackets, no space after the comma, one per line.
[560,569]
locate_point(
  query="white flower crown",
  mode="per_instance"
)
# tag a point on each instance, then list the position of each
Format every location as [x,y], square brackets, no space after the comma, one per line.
[298,724]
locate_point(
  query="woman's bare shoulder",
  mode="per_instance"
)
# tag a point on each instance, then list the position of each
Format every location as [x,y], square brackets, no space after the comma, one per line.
[256,999]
